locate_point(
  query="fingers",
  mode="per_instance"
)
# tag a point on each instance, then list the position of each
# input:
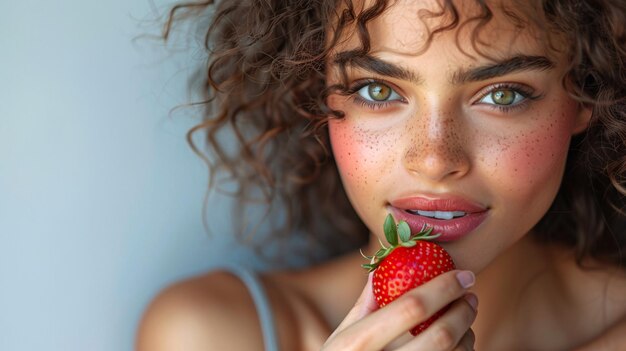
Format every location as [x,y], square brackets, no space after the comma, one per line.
[451,331]
[467,342]
[377,330]
[419,304]
[365,304]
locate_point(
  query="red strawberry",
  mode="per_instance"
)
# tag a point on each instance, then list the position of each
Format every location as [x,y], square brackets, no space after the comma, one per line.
[407,264]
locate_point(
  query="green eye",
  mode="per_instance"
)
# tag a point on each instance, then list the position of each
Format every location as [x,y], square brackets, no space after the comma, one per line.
[378,92]
[503,97]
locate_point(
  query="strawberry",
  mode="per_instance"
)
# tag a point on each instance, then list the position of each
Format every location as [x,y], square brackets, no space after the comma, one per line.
[407,264]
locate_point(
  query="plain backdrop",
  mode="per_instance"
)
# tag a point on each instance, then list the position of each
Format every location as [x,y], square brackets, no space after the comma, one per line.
[100,195]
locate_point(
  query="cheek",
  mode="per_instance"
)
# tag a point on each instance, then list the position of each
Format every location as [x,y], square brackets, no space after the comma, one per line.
[364,157]
[360,149]
[344,147]
[355,152]
[533,160]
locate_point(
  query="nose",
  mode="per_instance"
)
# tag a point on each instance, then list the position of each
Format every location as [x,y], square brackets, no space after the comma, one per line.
[438,149]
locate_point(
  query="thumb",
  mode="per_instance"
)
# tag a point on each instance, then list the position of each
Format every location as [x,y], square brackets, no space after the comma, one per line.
[365,304]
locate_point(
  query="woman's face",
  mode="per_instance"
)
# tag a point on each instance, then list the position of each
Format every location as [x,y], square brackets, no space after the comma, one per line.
[481,140]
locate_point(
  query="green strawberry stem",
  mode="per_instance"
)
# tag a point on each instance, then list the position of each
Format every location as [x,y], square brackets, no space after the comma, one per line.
[394,232]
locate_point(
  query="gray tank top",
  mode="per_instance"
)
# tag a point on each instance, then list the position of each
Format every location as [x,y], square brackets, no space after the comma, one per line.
[264,310]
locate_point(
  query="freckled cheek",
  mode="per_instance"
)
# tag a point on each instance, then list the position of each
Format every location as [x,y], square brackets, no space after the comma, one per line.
[532,160]
[345,149]
[349,152]
[361,155]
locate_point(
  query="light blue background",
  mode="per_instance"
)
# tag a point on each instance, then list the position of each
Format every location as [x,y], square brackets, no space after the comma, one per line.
[100,196]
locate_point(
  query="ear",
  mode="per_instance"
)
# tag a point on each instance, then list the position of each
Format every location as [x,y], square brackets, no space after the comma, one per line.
[585,111]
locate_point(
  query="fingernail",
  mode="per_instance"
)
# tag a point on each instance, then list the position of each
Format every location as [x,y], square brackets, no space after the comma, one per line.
[472,300]
[466,279]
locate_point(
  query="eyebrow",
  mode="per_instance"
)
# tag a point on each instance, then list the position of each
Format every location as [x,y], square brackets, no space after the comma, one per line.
[513,64]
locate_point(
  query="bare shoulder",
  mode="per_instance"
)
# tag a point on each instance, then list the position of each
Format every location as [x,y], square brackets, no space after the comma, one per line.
[209,312]
[597,287]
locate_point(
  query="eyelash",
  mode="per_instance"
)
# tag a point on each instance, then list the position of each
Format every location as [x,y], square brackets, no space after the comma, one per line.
[524,91]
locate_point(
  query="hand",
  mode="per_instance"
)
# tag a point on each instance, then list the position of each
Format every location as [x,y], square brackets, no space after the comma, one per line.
[368,328]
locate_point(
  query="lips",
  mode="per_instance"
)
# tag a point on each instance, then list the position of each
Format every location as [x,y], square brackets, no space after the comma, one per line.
[456,217]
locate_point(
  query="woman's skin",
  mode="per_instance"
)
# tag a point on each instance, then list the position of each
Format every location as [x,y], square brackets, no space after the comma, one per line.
[452,126]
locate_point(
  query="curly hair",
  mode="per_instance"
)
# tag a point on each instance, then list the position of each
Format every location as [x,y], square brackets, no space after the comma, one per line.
[265,85]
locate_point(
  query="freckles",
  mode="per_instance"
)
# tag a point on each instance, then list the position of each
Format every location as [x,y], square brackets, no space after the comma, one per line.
[361,155]
[532,158]
[453,147]
[345,149]
[418,145]
[436,142]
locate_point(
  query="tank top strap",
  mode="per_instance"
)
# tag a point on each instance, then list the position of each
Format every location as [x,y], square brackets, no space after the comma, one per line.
[266,317]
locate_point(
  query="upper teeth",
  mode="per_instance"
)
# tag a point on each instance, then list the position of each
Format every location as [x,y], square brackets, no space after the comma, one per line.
[440,214]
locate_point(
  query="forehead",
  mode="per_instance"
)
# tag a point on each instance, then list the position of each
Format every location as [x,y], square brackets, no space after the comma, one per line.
[407,26]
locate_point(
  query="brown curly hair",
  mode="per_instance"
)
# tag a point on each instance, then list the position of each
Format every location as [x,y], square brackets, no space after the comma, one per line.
[265,88]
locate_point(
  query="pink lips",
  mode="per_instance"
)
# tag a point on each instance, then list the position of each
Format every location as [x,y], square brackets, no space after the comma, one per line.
[450,229]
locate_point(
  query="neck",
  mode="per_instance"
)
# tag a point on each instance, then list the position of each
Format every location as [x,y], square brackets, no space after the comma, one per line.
[508,288]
